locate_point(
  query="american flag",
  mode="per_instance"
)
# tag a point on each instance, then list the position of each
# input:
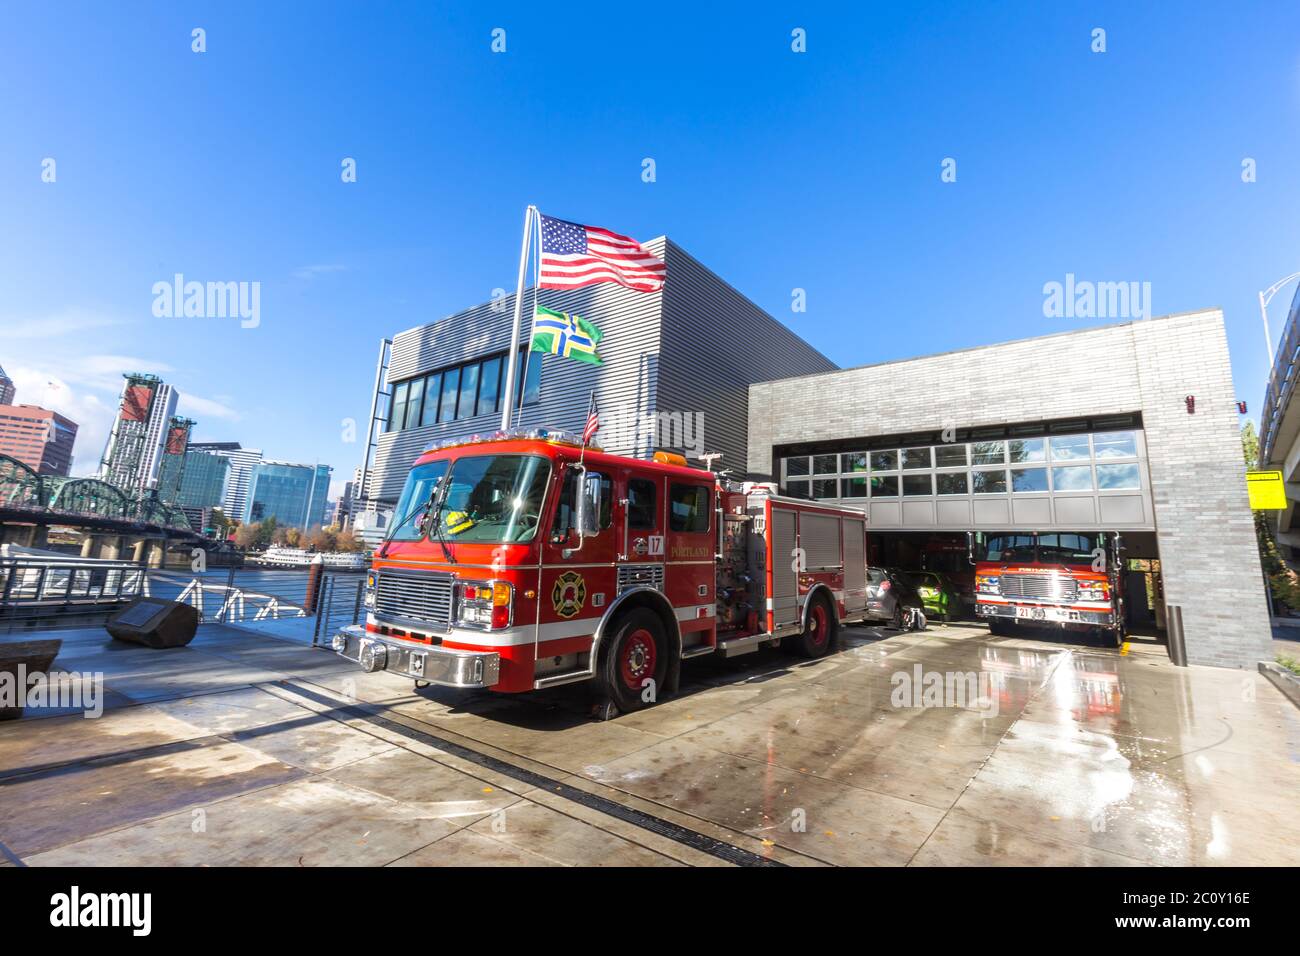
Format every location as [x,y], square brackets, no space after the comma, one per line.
[574,255]
[593,421]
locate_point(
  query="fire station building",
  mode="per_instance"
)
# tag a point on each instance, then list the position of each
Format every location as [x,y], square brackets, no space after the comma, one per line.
[1129,428]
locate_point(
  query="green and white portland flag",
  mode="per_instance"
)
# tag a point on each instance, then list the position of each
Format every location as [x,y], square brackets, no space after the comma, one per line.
[559,333]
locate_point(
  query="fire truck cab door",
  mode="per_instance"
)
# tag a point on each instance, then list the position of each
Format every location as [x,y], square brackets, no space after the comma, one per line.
[576,582]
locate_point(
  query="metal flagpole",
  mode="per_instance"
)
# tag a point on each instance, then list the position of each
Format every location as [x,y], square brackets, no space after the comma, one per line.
[537,285]
[513,358]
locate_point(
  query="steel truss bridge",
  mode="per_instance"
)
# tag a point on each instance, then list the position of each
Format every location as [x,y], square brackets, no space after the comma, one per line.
[90,503]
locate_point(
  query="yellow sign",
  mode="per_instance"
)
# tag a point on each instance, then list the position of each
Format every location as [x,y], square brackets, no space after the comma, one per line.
[1266,490]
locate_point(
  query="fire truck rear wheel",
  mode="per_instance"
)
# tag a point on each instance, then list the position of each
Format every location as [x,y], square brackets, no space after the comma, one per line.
[635,661]
[819,630]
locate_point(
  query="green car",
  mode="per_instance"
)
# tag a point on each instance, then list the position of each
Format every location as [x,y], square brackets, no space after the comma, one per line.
[938,593]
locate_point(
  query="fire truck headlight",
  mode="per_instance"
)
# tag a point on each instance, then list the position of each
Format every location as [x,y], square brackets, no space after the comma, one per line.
[485,605]
[1094,592]
[340,642]
[372,582]
[987,584]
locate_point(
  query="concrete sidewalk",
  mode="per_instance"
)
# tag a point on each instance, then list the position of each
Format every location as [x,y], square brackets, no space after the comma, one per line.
[244,749]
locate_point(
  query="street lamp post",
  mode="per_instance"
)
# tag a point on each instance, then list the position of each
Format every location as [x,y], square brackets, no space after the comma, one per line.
[1265,298]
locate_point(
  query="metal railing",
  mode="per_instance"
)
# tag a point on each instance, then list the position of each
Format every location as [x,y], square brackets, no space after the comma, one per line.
[340,604]
[42,594]
[68,592]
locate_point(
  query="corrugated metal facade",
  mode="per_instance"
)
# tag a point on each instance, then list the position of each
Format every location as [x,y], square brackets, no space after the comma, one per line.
[693,348]
[716,343]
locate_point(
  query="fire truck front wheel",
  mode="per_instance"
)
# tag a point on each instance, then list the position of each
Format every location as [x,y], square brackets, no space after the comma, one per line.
[635,661]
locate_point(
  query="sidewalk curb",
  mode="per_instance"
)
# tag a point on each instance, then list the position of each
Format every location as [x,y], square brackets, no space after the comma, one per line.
[1285,681]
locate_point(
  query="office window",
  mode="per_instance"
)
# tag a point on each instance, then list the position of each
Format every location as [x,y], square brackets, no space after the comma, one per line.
[1117,477]
[884,486]
[988,452]
[1026,449]
[916,458]
[450,389]
[917,485]
[824,464]
[529,374]
[797,488]
[989,481]
[1072,478]
[463,391]
[397,414]
[951,483]
[688,508]
[824,487]
[1028,479]
[414,403]
[853,461]
[1115,445]
[853,488]
[950,456]
[1069,447]
[796,466]
[467,405]
[432,390]
[489,386]
[641,504]
[884,461]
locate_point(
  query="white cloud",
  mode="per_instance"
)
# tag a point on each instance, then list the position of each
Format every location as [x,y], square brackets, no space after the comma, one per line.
[56,324]
[311,272]
[92,413]
[203,408]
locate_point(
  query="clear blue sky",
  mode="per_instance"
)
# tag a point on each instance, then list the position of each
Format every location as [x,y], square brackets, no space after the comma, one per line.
[779,170]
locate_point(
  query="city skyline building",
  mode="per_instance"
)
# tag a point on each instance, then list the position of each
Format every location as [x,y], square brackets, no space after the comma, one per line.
[171,469]
[136,444]
[242,461]
[7,388]
[204,481]
[38,437]
[293,494]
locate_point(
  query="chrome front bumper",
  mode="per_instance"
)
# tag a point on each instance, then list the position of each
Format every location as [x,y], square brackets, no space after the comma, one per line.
[437,665]
[1045,615]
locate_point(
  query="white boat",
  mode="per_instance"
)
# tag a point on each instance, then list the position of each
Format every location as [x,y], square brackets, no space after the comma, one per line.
[300,558]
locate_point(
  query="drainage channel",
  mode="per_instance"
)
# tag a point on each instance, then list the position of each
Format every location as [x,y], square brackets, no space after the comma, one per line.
[665,828]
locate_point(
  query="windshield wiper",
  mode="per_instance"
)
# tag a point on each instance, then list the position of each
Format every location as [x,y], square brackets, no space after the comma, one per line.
[436,518]
[421,509]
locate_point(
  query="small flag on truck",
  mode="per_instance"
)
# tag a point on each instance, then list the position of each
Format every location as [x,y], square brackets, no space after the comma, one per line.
[570,336]
[593,421]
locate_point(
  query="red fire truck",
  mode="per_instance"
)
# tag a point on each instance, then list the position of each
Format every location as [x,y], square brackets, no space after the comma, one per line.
[519,560]
[1065,579]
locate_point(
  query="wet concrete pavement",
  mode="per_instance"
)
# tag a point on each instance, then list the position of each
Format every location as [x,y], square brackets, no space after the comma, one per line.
[244,749]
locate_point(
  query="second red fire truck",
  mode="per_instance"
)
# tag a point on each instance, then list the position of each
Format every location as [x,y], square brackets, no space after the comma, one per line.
[521,560]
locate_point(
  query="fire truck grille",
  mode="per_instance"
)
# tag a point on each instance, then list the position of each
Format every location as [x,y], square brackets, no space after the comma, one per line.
[1043,587]
[414,596]
[649,575]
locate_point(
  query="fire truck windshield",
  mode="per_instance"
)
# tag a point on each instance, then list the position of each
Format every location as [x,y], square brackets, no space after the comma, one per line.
[490,499]
[1069,547]
[415,496]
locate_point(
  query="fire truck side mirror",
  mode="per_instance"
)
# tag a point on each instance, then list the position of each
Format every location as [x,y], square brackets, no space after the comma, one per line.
[587,507]
[970,546]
